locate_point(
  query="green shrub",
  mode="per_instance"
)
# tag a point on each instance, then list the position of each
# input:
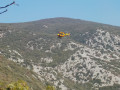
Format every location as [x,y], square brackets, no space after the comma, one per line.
[50,87]
[19,85]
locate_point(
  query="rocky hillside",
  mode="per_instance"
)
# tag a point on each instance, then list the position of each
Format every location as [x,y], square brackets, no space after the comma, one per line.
[86,60]
[11,72]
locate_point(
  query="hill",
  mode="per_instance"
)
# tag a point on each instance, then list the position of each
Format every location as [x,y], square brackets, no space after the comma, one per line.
[88,59]
[11,72]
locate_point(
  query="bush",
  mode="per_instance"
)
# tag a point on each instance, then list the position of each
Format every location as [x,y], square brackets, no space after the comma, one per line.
[19,85]
[50,87]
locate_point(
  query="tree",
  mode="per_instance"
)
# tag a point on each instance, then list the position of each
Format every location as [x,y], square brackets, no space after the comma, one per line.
[4,7]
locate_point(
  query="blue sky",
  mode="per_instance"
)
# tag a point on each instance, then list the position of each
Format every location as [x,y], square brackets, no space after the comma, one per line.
[103,11]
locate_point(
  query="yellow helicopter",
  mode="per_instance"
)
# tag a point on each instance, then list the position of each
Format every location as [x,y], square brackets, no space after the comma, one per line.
[62,34]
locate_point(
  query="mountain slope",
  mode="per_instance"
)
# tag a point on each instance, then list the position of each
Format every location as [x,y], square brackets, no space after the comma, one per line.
[88,59]
[12,72]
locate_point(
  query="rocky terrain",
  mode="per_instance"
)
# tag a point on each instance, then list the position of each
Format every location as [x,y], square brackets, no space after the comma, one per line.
[88,59]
